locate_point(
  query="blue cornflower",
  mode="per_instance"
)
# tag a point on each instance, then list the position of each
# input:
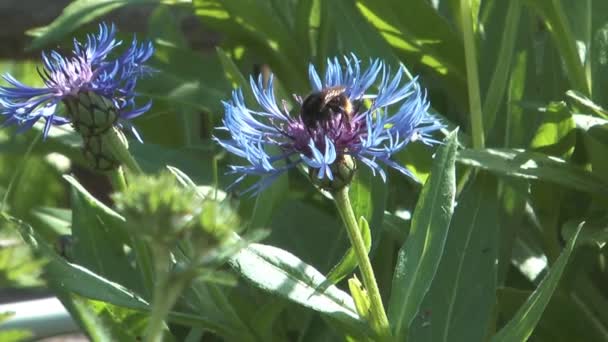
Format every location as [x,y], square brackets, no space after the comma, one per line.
[87,80]
[341,121]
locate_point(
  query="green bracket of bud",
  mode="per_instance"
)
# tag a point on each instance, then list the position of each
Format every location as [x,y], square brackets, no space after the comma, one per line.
[343,170]
[91,114]
[116,143]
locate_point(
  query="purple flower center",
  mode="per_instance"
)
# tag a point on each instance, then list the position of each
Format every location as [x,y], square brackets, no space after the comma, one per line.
[325,114]
[72,78]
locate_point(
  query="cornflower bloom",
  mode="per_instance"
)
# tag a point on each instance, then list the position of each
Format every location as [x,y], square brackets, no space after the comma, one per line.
[96,91]
[340,122]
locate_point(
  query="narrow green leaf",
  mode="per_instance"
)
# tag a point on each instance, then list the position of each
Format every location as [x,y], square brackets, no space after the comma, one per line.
[586,103]
[283,274]
[420,255]
[362,302]
[521,326]
[533,165]
[349,261]
[81,12]
[556,21]
[556,323]
[502,69]
[59,220]
[463,291]
[368,194]
[599,48]
[593,233]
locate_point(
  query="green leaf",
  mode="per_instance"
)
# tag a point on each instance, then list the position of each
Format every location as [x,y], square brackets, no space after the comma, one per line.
[98,322]
[349,261]
[98,235]
[502,68]
[556,324]
[81,12]
[521,326]
[14,335]
[234,75]
[420,255]
[532,165]
[555,135]
[593,233]
[556,21]
[71,278]
[599,48]
[595,142]
[194,161]
[586,103]
[418,33]
[354,32]
[59,220]
[463,290]
[185,78]
[264,28]
[76,278]
[284,275]
[31,181]
[368,195]
[296,227]
[270,199]
[362,302]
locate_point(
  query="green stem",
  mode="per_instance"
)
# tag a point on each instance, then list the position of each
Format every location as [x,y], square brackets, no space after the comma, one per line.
[160,301]
[477,132]
[379,317]
[118,146]
[118,180]
[166,292]
[140,249]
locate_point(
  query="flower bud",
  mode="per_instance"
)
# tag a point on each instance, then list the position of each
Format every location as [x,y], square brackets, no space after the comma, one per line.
[97,154]
[158,208]
[91,114]
[343,170]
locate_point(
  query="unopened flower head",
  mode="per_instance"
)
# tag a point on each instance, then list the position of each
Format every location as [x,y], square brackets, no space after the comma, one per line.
[352,114]
[87,79]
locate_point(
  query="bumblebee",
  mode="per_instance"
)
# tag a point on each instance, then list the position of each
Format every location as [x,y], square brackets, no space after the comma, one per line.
[321,106]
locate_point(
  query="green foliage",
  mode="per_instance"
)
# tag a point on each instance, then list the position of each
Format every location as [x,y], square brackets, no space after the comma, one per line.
[503,239]
[419,256]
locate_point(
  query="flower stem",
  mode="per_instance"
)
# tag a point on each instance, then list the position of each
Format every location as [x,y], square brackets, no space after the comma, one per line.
[118,180]
[166,292]
[118,145]
[160,301]
[140,249]
[379,318]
